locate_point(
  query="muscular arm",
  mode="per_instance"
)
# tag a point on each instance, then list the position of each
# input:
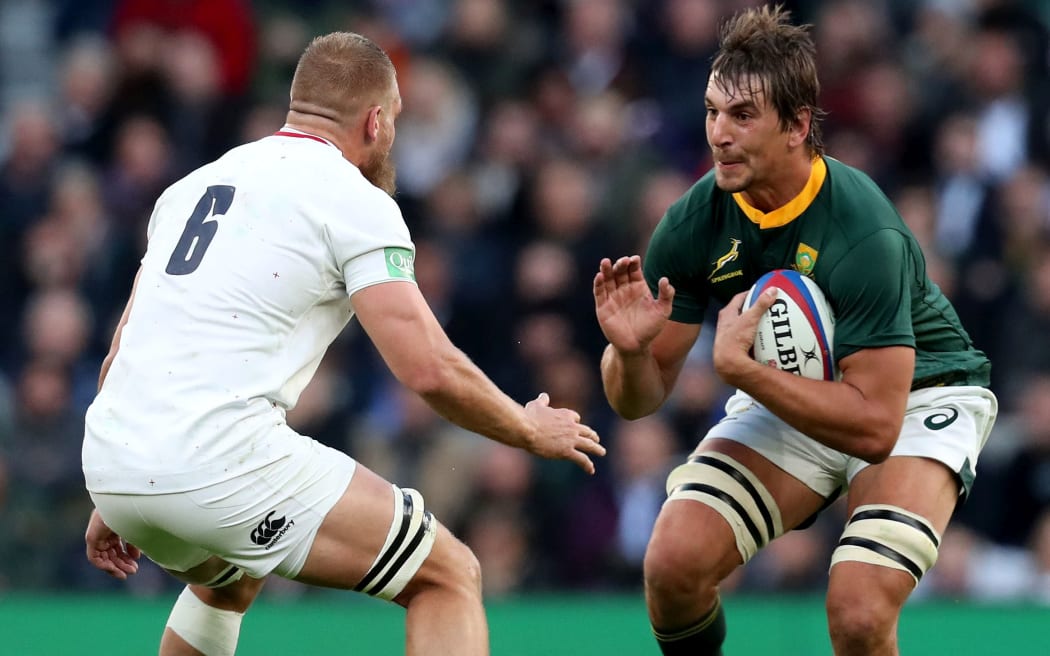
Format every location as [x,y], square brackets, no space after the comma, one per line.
[115,344]
[419,354]
[646,350]
[860,415]
[637,383]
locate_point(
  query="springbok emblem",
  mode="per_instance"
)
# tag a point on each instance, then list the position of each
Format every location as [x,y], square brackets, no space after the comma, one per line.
[733,254]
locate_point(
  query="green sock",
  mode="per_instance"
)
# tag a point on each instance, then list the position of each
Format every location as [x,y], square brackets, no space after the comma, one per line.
[702,638]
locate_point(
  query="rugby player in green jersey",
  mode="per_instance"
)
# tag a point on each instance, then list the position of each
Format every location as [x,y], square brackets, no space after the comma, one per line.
[900,429]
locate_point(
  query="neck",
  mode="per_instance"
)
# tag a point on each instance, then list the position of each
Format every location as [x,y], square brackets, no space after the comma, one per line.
[780,190]
[327,129]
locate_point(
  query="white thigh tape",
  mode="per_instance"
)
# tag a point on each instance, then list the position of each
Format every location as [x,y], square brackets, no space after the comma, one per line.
[408,543]
[211,631]
[890,537]
[722,483]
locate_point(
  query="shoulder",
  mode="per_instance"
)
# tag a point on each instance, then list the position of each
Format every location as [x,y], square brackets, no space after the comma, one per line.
[693,205]
[858,206]
[854,190]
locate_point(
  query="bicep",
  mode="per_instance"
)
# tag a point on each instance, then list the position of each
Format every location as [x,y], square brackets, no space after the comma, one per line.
[400,324]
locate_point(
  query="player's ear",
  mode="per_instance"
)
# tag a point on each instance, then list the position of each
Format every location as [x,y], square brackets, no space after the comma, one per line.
[372,123]
[799,129]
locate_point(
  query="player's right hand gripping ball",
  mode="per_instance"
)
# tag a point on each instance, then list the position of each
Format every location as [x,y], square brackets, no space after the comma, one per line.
[797,332]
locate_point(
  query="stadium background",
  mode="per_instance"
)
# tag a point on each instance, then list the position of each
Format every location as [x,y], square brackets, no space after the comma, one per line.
[536,138]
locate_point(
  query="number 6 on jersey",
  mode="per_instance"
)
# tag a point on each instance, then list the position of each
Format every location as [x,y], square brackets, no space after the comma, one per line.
[199,231]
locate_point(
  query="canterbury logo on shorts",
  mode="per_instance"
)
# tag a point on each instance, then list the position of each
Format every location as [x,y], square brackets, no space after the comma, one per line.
[270,531]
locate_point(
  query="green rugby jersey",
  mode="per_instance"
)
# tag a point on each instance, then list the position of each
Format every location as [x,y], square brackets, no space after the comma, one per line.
[844,233]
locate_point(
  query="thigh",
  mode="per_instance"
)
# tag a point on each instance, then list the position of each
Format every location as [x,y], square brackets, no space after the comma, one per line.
[352,534]
[794,494]
[738,506]
[379,539]
[749,423]
[922,487]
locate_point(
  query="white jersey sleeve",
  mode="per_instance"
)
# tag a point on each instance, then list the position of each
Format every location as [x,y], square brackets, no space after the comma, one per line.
[244,284]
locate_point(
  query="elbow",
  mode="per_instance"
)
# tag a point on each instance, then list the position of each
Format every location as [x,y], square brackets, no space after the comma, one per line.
[875,454]
[628,408]
[427,382]
[876,447]
[429,377]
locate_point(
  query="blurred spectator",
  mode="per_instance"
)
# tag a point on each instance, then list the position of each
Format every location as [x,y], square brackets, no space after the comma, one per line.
[436,128]
[143,166]
[594,49]
[404,438]
[616,160]
[1009,130]
[27,171]
[57,327]
[503,520]
[46,500]
[226,27]
[608,525]
[87,80]
[796,562]
[492,46]
[971,567]
[1023,352]
[677,58]
[1023,490]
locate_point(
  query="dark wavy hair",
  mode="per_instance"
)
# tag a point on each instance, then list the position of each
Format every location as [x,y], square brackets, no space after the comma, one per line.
[761,47]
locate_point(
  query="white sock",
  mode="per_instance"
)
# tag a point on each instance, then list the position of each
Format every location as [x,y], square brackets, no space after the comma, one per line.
[211,631]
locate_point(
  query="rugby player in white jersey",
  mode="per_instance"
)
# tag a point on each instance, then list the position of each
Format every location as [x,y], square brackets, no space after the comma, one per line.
[254,264]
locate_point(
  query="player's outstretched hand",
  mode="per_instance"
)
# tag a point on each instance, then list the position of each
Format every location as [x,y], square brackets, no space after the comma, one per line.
[561,435]
[629,316]
[107,551]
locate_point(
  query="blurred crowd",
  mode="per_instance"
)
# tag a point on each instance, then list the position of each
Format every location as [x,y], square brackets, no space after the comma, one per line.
[537,137]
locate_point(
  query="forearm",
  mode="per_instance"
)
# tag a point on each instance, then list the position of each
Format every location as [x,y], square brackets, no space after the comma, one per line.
[461,393]
[834,413]
[634,384]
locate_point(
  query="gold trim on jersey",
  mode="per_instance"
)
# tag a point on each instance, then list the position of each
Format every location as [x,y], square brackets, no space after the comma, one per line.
[794,207]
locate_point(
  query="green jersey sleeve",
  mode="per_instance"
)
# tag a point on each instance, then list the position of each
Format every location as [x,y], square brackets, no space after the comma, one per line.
[668,255]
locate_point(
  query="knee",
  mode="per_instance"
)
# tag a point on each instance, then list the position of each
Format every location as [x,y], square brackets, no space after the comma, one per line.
[451,567]
[467,569]
[236,597]
[675,567]
[859,617]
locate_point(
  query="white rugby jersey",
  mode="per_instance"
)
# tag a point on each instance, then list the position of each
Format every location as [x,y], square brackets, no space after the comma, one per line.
[245,283]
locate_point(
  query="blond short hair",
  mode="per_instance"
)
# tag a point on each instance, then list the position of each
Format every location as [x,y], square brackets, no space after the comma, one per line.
[339,74]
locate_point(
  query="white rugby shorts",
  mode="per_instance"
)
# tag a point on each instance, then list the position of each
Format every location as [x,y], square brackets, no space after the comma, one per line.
[263,521]
[946,424]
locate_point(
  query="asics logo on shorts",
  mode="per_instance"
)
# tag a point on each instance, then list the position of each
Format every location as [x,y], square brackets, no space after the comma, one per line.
[269,531]
[943,419]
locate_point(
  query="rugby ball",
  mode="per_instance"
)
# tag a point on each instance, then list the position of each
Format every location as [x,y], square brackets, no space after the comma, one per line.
[797,332]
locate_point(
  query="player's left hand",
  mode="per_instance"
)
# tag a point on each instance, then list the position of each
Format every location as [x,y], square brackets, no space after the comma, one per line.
[107,551]
[735,335]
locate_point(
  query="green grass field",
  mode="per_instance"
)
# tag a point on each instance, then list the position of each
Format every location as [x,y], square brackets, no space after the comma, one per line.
[569,625]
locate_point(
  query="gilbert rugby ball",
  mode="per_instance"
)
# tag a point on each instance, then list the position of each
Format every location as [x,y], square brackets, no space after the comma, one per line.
[797,332]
